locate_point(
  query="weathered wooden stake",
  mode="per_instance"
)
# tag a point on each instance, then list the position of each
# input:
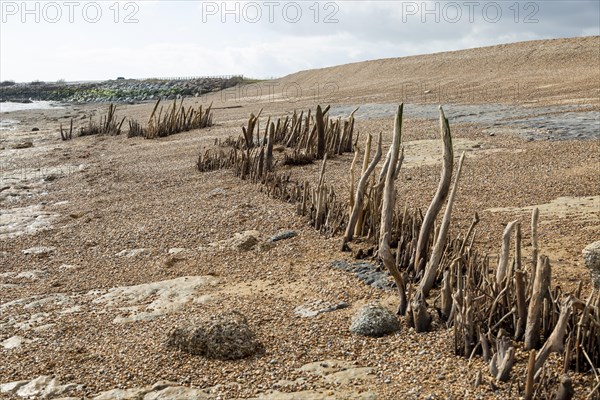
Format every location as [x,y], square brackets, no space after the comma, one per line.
[554,343]
[529,381]
[440,195]
[540,287]
[504,254]
[534,245]
[502,361]
[438,248]
[520,292]
[387,212]
[359,198]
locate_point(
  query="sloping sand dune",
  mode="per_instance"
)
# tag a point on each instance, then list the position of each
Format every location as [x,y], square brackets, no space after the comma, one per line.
[558,71]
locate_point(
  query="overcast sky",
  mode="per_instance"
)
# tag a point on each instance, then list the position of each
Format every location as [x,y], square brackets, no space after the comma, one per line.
[87,40]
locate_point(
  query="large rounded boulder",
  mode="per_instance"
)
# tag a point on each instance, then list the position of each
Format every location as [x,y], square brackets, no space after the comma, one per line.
[374,320]
[223,336]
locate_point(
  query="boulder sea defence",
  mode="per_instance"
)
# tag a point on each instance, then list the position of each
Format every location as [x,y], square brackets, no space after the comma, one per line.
[120,90]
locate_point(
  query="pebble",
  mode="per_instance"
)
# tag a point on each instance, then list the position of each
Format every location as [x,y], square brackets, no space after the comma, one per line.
[133,253]
[282,236]
[13,342]
[39,251]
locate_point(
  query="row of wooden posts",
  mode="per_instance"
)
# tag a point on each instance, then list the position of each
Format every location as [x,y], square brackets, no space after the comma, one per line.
[309,136]
[109,125]
[177,118]
[491,305]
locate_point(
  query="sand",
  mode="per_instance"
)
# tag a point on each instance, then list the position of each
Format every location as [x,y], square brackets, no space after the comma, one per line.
[96,312]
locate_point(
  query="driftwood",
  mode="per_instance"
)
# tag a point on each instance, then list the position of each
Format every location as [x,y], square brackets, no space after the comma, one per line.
[440,195]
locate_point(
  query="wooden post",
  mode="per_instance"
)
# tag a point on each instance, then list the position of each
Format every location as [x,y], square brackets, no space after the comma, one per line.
[504,254]
[565,389]
[554,343]
[540,286]
[359,198]
[348,144]
[534,244]
[440,195]
[269,157]
[352,178]
[471,228]
[431,270]
[359,221]
[502,361]
[518,237]
[520,290]
[446,295]
[387,212]
[421,319]
[530,375]
[320,133]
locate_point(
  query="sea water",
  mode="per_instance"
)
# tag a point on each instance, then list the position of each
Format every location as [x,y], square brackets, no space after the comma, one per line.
[10,106]
[8,124]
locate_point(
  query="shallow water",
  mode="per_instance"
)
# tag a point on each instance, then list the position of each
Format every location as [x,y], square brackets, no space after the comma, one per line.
[539,123]
[9,106]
